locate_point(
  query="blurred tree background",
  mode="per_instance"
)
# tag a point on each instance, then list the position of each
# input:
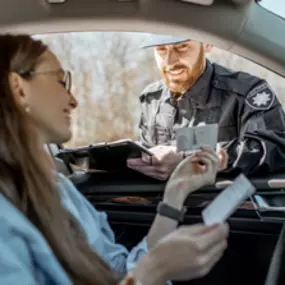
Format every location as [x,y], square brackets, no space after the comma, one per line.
[109,72]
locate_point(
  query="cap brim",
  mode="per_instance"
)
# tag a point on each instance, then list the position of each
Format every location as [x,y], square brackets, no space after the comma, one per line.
[156,40]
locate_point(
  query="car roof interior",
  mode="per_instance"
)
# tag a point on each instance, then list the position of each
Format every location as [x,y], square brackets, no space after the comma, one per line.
[240,26]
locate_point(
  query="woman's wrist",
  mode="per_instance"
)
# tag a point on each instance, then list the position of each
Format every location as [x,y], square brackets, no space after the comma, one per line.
[175,193]
[150,270]
[176,201]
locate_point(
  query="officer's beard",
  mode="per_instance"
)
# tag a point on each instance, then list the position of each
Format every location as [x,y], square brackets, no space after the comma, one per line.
[194,71]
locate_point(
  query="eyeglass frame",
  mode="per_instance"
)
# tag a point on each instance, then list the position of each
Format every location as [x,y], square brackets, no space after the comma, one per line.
[67,75]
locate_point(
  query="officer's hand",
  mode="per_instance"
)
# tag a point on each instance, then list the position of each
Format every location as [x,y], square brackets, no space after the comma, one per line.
[224,159]
[160,165]
[187,253]
[194,172]
[164,161]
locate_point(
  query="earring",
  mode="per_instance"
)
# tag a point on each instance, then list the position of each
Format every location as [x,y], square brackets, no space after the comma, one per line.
[28,109]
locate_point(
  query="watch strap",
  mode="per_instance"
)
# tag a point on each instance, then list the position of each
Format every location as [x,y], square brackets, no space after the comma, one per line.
[168,211]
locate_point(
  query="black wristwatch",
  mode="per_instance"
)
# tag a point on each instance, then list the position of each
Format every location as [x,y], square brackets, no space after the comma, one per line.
[168,211]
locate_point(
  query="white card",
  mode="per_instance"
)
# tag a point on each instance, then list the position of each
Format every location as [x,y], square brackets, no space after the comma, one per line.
[192,139]
[226,203]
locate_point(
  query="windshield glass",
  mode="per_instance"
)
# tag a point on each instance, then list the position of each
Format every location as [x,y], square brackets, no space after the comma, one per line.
[275,6]
[110,70]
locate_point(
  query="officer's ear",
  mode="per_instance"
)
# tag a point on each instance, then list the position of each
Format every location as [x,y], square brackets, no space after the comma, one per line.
[207,48]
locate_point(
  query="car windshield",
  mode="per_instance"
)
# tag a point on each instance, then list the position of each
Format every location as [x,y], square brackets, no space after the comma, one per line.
[110,70]
[275,6]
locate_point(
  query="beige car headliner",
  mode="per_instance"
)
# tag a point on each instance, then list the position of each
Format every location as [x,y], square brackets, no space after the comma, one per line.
[247,30]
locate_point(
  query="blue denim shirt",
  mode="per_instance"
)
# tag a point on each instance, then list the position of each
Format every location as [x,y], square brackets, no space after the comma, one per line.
[27,259]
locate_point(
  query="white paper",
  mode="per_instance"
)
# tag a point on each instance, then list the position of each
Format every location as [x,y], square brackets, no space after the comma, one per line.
[226,203]
[192,139]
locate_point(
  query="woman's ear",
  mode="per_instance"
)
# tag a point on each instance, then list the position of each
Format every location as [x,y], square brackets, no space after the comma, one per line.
[16,83]
[208,48]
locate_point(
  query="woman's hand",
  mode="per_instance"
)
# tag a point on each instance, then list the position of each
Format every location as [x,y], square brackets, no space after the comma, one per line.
[195,171]
[189,252]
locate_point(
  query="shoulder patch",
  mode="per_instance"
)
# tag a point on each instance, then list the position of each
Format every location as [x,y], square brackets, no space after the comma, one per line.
[261,97]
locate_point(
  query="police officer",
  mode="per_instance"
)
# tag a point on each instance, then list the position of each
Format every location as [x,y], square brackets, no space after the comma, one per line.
[195,91]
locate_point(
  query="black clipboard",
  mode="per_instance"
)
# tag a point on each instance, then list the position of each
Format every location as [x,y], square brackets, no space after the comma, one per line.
[111,156]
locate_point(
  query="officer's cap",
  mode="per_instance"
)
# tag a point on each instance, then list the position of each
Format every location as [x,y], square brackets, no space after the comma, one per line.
[159,40]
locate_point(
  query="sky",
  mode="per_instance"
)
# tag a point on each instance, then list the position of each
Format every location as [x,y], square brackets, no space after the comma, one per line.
[275,6]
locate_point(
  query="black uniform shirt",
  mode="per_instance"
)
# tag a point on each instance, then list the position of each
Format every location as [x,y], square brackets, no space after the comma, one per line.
[250,117]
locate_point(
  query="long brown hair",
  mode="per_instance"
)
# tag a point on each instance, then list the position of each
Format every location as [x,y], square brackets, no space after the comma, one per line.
[26,172]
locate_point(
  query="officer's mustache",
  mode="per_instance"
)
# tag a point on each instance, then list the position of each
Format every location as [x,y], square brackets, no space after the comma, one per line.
[174,68]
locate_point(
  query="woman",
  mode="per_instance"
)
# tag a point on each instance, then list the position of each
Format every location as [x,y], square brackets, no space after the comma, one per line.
[49,233]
